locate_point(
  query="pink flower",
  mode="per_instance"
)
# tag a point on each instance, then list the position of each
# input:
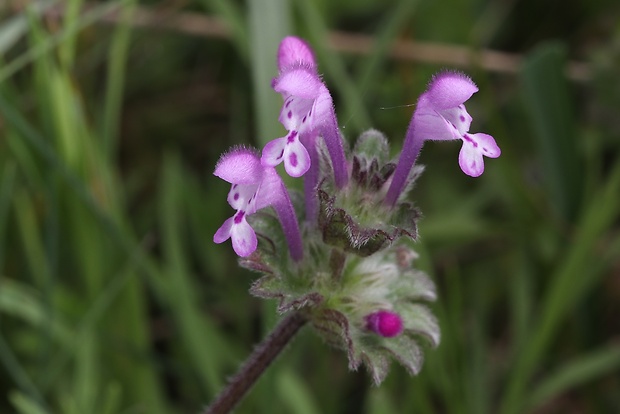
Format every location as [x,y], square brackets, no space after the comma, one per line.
[308,111]
[254,187]
[441,115]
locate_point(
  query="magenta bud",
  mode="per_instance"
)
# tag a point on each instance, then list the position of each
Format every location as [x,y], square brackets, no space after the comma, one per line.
[385,323]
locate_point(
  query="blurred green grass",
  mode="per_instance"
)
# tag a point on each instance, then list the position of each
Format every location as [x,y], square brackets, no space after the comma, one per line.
[113,297]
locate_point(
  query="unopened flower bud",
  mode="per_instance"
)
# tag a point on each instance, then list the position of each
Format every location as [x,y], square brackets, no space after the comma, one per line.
[385,323]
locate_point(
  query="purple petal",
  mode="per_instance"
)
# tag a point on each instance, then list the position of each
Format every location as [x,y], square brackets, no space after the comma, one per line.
[428,124]
[288,219]
[470,159]
[296,159]
[223,233]
[295,51]
[239,166]
[300,82]
[486,144]
[273,192]
[240,197]
[297,114]
[323,108]
[328,128]
[450,89]
[311,177]
[271,189]
[243,238]
[273,153]
[458,117]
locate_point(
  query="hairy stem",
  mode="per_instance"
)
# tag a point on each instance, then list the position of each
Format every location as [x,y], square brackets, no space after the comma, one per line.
[256,364]
[337,260]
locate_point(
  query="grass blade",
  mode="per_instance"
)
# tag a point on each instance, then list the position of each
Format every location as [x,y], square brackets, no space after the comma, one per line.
[393,23]
[294,394]
[203,343]
[584,369]
[353,112]
[117,60]
[25,405]
[269,23]
[18,373]
[548,102]
[568,285]
[233,16]
[34,53]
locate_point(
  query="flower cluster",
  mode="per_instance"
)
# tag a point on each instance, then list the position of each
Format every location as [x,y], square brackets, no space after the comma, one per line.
[338,254]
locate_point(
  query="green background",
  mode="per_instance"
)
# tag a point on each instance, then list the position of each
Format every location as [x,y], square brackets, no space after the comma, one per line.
[113,297]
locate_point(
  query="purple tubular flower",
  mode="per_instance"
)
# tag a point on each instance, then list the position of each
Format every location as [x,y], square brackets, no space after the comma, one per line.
[308,109]
[441,115]
[254,187]
[385,323]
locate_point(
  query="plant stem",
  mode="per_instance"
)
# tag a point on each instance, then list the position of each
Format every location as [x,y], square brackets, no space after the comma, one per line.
[256,364]
[337,260]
